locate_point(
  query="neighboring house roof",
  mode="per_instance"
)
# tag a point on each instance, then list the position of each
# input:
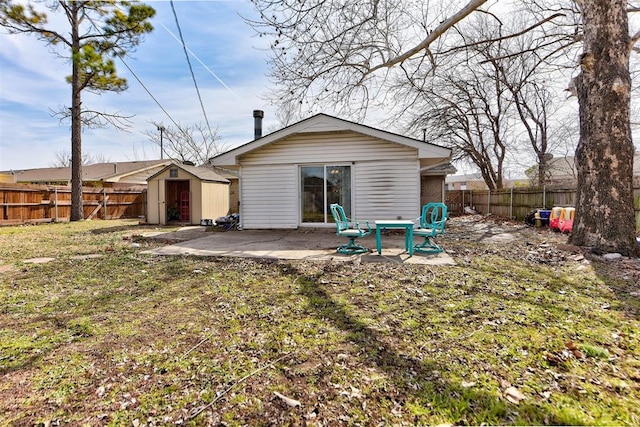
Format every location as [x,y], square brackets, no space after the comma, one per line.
[204,173]
[564,167]
[321,123]
[129,172]
[464,178]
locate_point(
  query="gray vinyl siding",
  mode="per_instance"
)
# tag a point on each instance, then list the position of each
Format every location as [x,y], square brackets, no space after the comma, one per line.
[269,197]
[326,148]
[386,179]
[387,190]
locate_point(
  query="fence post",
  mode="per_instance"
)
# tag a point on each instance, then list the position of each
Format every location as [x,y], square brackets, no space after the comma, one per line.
[489,201]
[104,202]
[462,207]
[544,197]
[511,205]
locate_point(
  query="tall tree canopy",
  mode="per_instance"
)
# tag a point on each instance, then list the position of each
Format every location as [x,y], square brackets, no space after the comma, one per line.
[350,53]
[94,33]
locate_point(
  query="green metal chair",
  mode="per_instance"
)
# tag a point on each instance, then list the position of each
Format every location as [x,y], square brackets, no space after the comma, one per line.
[432,222]
[350,230]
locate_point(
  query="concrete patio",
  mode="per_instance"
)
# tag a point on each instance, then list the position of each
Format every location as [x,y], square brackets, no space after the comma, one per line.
[301,244]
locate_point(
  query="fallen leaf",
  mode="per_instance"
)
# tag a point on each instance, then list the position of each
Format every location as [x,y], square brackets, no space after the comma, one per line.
[574,350]
[289,401]
[468,384]
[513,395]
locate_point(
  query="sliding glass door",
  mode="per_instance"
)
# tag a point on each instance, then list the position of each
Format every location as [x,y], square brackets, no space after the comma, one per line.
[321,186]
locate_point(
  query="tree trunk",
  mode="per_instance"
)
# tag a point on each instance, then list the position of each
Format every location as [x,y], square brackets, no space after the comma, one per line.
[77,212]
[604,157]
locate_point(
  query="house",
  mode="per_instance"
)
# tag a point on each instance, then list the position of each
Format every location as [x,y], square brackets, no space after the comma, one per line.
[562,172]
[472,181]
[111,174]
[288,179]
[186,194]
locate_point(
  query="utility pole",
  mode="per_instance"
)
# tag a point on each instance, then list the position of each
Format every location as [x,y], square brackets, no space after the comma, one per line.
[161,129]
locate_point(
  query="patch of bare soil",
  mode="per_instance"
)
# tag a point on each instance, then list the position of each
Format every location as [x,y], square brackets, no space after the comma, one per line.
[474,235]
[477,234]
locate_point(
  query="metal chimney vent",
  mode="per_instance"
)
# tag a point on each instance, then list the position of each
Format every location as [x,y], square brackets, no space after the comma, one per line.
[258,115]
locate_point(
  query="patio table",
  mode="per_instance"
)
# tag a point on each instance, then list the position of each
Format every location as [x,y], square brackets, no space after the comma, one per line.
[395,223]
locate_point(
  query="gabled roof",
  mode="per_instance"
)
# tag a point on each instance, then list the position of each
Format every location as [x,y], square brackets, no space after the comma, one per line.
[324,123]
[109,172]
[203,173]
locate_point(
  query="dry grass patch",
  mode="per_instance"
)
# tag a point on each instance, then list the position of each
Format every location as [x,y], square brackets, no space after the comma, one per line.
[133,339]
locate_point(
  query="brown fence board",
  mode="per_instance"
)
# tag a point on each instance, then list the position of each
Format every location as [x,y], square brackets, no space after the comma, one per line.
[42,203]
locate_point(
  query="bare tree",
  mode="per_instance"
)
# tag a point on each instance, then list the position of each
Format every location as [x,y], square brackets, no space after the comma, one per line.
[96,32]
[342,52]
[470,114]
[485,98]
[188,144]
[63,159]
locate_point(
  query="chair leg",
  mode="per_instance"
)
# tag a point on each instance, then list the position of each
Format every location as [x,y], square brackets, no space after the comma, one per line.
[428,247]
[352,248]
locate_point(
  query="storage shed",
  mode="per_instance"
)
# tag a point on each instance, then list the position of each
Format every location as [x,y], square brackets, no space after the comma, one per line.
[186,194]
[289,178]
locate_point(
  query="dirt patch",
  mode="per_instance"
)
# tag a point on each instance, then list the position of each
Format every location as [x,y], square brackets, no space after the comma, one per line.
[476,235]
[6,268]
[40,260]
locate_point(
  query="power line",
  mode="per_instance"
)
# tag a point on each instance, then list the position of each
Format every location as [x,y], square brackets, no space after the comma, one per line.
[202,63]
[193,76]
[149,92]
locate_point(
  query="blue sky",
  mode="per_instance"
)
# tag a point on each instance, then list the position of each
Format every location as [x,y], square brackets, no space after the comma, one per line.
[229,63]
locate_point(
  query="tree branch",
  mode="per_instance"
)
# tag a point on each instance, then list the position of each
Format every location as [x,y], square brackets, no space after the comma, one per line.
[434,35]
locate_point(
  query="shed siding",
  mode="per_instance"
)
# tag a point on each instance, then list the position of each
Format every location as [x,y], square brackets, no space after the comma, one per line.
[328,147]
[195,200]
[215,200]
[153,198]
[387,190]
[269,197]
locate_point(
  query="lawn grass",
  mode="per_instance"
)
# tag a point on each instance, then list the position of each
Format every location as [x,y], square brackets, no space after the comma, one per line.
[133,339]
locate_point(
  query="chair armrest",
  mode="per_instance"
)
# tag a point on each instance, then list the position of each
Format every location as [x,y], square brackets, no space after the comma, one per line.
[439,225]
[356,225]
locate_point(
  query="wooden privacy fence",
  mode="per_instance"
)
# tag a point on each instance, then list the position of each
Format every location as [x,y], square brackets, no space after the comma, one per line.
[21,203]
[516,203]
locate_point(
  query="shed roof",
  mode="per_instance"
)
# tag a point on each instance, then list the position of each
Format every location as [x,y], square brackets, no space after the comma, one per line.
[321,123]
[203,173]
